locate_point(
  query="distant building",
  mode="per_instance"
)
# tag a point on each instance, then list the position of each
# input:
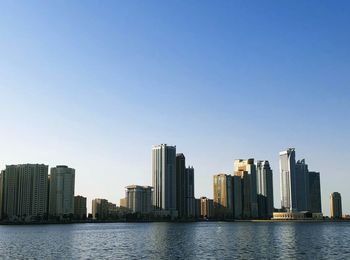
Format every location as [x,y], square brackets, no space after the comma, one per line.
[61,194]
[189,193]
[288,180]
[207,208]
[80,210]
[300,215]
[314,192]
[302,185]
[100,209]
[264,189]
[197,209]
[237,196]
[223,196]
[2,173]
[180,184]
[246,169]
[112,211]
[336,205]
[25,190]
[139,199]
[122,203]
[164,179]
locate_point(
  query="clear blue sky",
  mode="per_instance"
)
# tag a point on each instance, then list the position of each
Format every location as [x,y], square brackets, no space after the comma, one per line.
[95,84]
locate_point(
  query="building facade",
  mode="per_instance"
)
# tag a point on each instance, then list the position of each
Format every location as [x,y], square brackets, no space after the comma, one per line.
[288,180]
[25,191]
[189,206]
[315,205]
[180,184]
[265,189]
[336,205]
[61,194]
[80,209]
[302,185]
[237,196]
[164,179]
[139,199]
[100,209]
[246,169]
[223,196]
[207,208]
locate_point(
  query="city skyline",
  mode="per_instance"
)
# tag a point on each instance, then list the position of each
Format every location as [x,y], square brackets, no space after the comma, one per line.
[95,86]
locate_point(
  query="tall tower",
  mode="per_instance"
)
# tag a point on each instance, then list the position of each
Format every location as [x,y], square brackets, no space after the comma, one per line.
[61,194]
[223,195]
[336,205]
[180,183]
[25,191]
[288,180]
[314,192]
[302,185]
[265,188]
[189,192]
[246,169]
[164,179]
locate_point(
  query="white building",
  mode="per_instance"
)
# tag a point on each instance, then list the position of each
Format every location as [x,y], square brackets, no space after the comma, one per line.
[164,179]
[139,199]
[61,195]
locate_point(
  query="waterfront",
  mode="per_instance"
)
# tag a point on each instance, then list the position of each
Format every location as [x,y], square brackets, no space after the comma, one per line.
[199,240]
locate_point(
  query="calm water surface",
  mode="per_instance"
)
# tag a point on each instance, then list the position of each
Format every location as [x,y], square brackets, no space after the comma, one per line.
[213,240]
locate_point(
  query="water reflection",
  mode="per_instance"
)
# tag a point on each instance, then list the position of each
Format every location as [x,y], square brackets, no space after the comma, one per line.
[216,240]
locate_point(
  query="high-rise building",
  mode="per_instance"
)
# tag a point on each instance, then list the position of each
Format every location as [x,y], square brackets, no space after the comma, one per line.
[336,205]
[139,199]
[61,194]
[288,180]
[223,196]
[246,169]
[180,184]
[314,192]
[237,196]
[25,191]
[264,189]
[164,179]
[80,207]
[302,185]
[189,206]
[100,209]
[1,192]
[207,207]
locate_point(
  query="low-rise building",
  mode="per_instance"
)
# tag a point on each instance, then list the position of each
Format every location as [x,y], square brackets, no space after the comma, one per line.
[80,207]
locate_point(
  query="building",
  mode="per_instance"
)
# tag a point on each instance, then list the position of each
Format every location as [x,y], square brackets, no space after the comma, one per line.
[189,206]
[288,180]
[139,199]
[264,189]
[223,196]
[297,215]
[25,191]
[1,192]
[302,185]
[197,208]
[336,205]
[112,211]
[314,192]
[246,169]
[122,203]
[61,191]
[100,209]
[237,197]
[164,179]
[180,184]
[207,208]
[80,210]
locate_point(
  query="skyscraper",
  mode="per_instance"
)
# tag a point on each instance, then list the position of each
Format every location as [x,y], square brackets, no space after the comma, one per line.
[246,169]
[223,195]
[314,192]
[336,205]
[25,191]
[302,185]
[189,206]
[164,179]
[265,188]
[237,196]
[61,195]
[180,184]
[139,199]
[288,180]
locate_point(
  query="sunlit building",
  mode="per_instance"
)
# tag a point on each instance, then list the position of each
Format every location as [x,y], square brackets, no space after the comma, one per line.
[288,180]
[223,205]
[336,205]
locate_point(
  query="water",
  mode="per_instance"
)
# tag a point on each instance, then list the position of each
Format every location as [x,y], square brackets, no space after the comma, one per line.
[201,240]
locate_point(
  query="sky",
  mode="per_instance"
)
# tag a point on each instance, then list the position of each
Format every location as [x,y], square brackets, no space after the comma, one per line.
[94,85]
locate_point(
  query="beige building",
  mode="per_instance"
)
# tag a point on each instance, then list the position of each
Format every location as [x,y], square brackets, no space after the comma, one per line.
[139,199]
[207,207]
[25,191]
[122,203]
[100,209]
[61,196]
[336,205]
[223,195]
[80,210]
